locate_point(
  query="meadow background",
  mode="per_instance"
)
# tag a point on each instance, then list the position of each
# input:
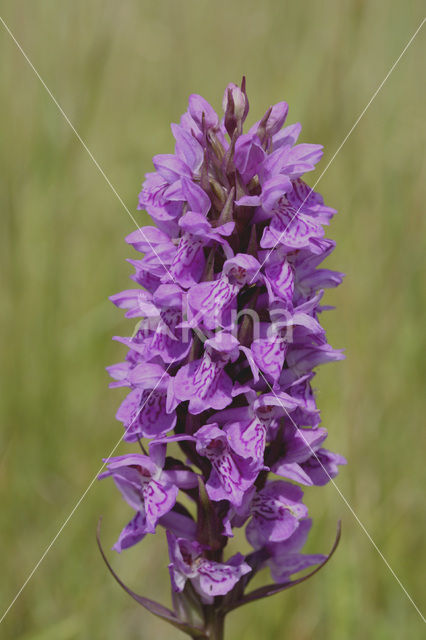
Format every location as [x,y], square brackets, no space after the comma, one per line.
[122,72]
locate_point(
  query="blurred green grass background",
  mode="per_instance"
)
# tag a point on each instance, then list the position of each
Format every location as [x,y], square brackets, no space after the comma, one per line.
[122,72]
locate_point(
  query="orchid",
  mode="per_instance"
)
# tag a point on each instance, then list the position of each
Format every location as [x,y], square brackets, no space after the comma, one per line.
[220,365]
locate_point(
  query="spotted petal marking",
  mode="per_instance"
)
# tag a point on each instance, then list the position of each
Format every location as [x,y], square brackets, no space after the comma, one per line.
[269,355]
[188,263]
[280,276]
[291,228]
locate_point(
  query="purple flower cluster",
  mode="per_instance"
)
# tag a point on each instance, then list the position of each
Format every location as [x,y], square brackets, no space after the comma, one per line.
[220,365]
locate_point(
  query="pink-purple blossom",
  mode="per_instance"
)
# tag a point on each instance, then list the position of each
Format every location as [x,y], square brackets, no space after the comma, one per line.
[227,301]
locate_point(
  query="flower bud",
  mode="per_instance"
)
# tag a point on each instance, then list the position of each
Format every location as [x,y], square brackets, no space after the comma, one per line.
[235,106]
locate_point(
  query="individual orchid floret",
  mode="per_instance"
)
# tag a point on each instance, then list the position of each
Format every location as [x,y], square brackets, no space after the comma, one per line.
[189,262]
[284,558]
[303,357]
[247,426]
[161,334]
[272,121]
[210,304]
[311,465]
[231,475]
[187,148]
[301,444]
[144,411]
[209,578]
[138,302]
[202,113]
[276,511]
[204,382]
[249,153]
[287,136]
[148,489]
[292,229]
[273,191]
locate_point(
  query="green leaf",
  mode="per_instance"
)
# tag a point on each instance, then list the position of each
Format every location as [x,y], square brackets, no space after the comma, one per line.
[153,607]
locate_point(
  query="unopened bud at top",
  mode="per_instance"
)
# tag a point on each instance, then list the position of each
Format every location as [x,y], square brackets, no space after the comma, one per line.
[271,122]
[238,100]
[235,106]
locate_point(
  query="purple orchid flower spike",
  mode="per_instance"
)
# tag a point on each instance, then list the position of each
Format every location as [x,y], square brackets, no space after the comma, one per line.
[227,297]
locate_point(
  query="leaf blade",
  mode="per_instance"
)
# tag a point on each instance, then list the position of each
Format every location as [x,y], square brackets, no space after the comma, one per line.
[153,607]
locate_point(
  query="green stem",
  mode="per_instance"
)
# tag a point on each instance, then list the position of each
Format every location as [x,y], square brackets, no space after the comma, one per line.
[215,625]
